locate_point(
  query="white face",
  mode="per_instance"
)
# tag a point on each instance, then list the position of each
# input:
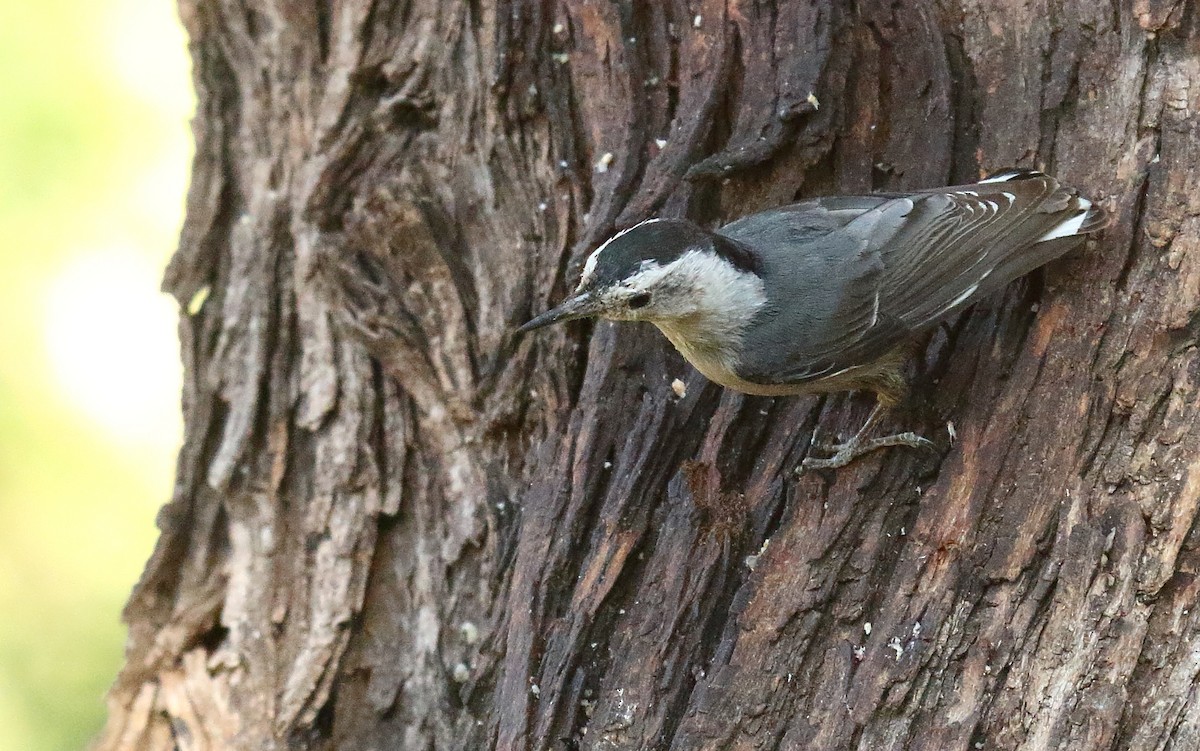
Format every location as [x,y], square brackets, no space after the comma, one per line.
[651,292]
[697,285]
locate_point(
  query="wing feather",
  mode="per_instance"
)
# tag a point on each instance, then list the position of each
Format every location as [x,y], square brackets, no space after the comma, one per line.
[855,276]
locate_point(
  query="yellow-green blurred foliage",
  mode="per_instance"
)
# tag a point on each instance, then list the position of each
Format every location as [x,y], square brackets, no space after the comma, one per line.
[94,148]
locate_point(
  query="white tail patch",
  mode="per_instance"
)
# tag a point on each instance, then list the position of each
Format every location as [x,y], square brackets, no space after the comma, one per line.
[1070,226]
[1002,177]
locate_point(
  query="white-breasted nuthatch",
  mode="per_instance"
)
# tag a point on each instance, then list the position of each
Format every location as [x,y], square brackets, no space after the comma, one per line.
[827,294]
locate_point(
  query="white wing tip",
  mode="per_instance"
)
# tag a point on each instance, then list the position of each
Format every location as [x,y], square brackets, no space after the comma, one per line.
[1069,226]
[962,298]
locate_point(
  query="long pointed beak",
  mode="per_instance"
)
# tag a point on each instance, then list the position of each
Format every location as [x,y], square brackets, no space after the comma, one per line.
[578,306]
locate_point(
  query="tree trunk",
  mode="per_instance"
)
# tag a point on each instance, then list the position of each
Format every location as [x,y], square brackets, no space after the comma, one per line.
[396,526]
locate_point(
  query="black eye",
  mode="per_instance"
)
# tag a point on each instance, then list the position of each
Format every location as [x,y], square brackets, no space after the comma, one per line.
[640,300]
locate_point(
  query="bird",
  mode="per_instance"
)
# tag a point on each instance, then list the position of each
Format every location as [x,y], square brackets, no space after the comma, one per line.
[829,294]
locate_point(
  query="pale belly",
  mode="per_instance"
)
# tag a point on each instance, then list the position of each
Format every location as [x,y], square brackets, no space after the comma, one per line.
[717,366]
[882,376]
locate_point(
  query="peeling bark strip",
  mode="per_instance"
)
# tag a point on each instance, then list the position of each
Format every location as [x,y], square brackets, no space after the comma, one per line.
[396,527]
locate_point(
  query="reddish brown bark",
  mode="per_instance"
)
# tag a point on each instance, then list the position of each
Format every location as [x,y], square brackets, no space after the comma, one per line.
[396,526]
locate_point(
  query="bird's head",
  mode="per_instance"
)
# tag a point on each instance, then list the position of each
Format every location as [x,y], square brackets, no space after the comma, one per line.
[667,271]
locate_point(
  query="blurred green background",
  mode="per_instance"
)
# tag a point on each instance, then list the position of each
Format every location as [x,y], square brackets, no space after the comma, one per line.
[94,151]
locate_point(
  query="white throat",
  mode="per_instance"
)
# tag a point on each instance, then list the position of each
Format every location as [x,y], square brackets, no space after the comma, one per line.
[712,315]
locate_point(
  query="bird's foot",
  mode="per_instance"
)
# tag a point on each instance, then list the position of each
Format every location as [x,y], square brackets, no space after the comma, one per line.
[852,449]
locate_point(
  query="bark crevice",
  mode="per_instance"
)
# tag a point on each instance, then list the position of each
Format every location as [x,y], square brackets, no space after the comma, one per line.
[395,525]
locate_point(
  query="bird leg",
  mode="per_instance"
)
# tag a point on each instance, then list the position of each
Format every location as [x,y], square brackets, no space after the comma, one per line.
[859,445]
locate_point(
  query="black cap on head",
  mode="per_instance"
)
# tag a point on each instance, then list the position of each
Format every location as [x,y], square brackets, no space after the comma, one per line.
[661,241]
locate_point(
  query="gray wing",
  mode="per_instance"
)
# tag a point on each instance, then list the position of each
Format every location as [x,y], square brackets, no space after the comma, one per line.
[850,278]
[964,242]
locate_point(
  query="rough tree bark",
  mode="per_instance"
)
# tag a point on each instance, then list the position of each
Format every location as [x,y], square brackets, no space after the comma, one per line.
[396,527]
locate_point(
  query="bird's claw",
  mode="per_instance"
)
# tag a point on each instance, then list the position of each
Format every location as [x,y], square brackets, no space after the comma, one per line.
[827,447]
[847,452]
